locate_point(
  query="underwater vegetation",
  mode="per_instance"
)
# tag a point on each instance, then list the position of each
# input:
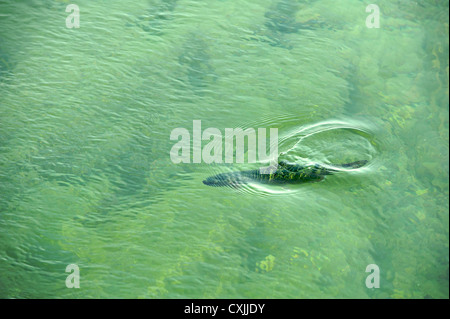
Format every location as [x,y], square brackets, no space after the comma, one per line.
[159,12]
[195,60]
[281,21]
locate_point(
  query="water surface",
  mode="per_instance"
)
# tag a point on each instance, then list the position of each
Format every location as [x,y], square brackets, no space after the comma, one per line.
[86,177]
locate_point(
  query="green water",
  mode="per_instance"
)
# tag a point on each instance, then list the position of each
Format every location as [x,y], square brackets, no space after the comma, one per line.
[86,177]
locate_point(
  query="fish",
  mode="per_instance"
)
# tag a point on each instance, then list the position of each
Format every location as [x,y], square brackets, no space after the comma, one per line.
[286,173]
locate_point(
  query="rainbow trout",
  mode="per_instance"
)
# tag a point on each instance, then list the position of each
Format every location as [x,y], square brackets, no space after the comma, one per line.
[286,173]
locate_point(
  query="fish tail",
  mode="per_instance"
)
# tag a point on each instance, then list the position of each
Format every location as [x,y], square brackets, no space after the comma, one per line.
[356,164]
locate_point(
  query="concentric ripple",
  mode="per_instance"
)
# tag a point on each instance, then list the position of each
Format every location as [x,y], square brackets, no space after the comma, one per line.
[328,143]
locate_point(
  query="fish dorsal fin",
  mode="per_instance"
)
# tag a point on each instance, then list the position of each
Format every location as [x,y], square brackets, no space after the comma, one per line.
[286,165]
[283,163]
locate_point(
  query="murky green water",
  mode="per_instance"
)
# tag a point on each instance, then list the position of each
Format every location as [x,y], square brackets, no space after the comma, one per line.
[86,178]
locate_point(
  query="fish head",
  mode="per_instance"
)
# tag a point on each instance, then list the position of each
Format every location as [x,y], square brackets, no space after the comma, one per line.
[224,179]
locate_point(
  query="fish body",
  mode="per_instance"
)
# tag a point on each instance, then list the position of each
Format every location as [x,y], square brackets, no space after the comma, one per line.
[286,173]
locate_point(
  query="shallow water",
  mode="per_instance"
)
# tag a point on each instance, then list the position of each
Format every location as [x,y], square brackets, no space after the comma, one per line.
[86,177]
